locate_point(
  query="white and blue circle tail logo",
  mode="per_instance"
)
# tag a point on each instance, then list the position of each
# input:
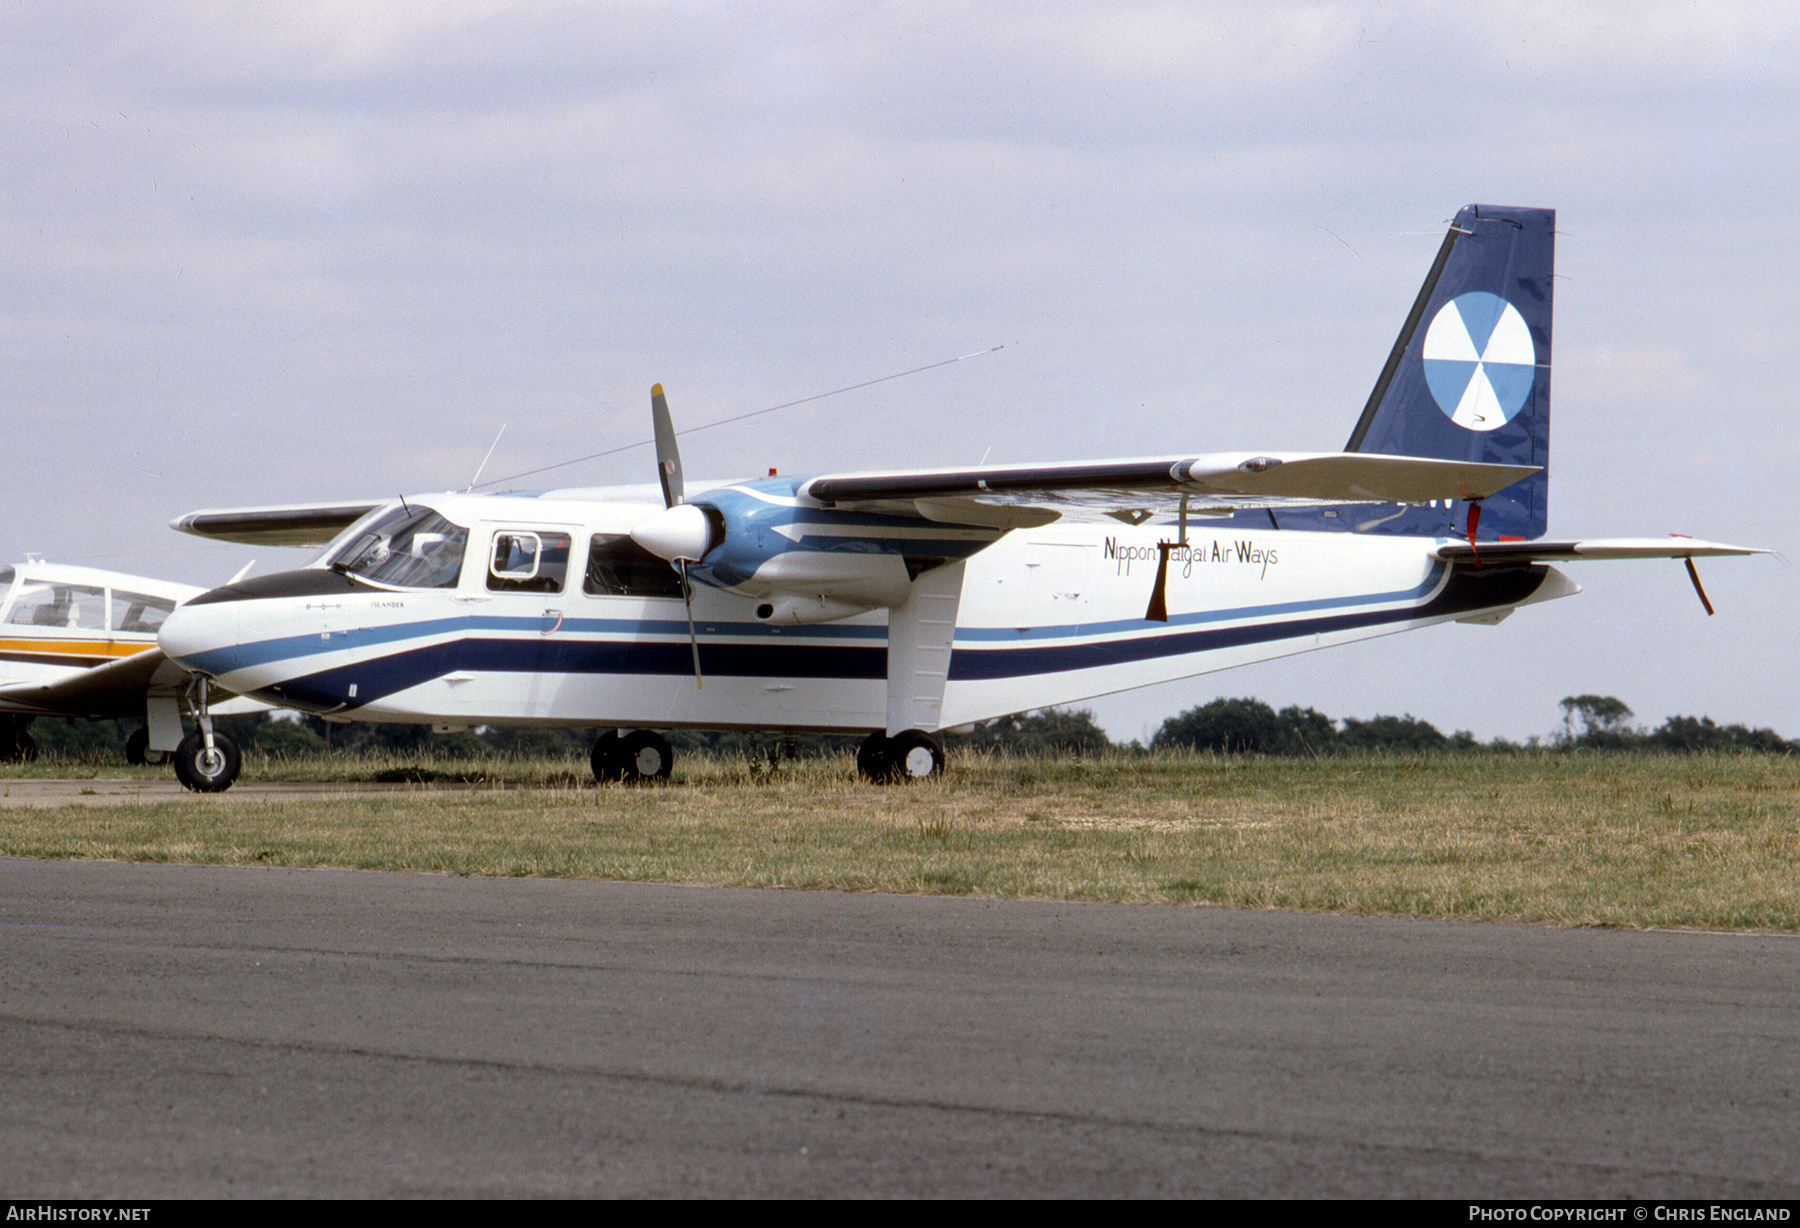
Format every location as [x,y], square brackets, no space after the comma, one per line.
[1479,360]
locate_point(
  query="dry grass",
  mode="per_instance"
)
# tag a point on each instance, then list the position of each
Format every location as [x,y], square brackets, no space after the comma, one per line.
[1616,840]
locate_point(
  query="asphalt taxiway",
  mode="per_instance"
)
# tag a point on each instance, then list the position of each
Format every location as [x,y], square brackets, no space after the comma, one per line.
[178,1031]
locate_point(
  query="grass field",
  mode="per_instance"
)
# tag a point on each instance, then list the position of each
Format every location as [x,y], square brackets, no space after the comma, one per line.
[1628,840]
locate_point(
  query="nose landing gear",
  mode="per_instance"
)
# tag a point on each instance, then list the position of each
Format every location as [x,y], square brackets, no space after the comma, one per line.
[206,761]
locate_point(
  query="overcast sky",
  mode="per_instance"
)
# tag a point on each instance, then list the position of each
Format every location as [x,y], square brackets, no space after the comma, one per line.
[304,251]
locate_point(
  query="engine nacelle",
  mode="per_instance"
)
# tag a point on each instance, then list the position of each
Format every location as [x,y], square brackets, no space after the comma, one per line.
[803,562]
[794,611]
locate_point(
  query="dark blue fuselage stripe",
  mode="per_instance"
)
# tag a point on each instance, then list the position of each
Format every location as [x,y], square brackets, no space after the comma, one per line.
[383,676]
[377,678]
[1466,591]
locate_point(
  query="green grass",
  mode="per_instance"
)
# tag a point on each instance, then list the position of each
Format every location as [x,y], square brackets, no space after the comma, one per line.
[1627,840]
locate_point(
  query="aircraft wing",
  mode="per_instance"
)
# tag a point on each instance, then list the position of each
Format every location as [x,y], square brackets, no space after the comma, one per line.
[106,692]
[289,524]
[1217,482]
[114,691]
[1594,548]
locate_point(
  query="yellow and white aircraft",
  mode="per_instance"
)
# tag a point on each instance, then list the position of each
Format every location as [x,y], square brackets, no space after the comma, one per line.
[902,603]
[81,642]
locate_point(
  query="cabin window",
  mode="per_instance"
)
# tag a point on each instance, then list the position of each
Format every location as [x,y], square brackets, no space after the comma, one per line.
[75,607]
[529,561]
[139,611]
[619,567]
[407,548]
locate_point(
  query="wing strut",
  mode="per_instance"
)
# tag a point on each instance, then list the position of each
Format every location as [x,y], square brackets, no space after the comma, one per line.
[1158,611]
[1694,575]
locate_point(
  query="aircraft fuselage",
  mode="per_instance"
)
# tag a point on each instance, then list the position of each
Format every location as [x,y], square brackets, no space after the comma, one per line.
[1043,616]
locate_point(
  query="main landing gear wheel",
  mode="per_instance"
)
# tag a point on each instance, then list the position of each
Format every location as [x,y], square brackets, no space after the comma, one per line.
[636,758]
[137,748]
[207,771]
[16,745]
[912,755]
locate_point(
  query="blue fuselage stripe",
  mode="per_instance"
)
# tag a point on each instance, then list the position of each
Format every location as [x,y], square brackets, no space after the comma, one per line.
[377,677]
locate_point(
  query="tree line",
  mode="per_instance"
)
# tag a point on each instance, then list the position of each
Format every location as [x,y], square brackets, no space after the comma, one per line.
[1590,722]
[1226,726]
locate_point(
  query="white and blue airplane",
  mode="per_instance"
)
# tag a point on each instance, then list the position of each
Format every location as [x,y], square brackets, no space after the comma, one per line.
[903,603]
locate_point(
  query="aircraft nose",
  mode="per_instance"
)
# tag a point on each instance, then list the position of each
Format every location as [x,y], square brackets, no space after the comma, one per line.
[196,631]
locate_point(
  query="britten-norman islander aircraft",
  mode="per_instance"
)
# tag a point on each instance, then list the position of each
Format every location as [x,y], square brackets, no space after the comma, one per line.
[910,602]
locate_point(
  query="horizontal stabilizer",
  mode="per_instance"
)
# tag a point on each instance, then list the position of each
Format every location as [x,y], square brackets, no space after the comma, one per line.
[1596,548]
[291,524]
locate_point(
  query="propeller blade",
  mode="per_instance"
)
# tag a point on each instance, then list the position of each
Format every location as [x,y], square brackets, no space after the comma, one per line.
[1694,575]
[687,598]
[668,456]
[1159,605]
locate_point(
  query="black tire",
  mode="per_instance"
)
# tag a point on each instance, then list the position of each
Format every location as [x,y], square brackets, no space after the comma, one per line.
[205,773]
[872,758]
[16,745]
[606,758]
[645,757]
[915,755]
[137,746]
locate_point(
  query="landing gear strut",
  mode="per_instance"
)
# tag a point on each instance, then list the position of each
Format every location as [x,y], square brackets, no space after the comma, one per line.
[206,761]
[636,758]
[912,755]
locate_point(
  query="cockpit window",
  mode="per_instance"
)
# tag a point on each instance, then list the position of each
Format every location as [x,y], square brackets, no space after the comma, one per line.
[619,567]
[139,611]
[75,607]
[529,561]
[407,548]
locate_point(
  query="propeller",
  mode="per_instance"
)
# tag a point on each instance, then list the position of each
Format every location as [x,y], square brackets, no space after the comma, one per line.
[668,456]
[681,533]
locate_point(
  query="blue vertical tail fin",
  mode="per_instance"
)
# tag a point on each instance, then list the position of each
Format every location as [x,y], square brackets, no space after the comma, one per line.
[1469,375]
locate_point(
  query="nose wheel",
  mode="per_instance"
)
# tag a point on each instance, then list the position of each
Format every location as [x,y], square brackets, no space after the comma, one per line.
[207,761]
[207,769]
